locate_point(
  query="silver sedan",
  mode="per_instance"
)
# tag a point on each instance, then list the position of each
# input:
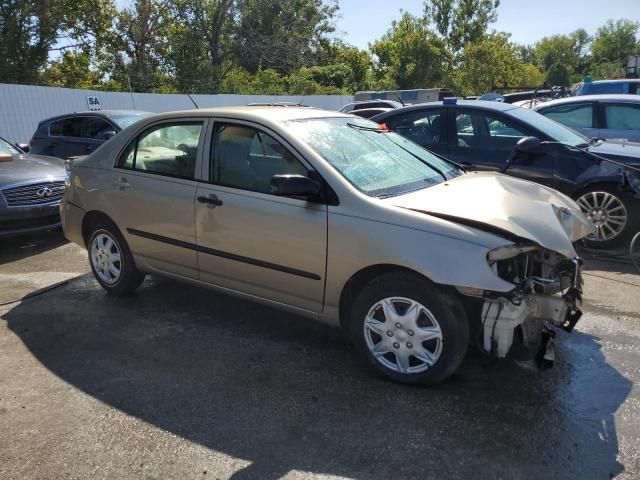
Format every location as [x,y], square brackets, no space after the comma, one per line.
[333,218]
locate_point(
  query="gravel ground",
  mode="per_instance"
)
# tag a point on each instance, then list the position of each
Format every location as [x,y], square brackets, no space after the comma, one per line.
[180,382]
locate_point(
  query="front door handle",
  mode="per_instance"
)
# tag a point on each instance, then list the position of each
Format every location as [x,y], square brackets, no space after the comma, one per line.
[121,183]
[210,200]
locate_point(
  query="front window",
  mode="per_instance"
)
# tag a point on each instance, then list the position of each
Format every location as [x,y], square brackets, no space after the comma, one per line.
[554,130]
[376,162]
[477,129]
[7,149]
[246,158]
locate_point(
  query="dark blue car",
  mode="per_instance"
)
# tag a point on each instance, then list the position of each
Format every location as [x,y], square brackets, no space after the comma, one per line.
[483,136]
[77,134]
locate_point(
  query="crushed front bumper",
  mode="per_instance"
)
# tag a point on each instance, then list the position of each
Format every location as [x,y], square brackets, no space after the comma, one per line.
[522,323]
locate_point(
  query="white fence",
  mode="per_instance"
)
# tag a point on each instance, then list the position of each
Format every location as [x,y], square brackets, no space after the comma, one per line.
[22,107]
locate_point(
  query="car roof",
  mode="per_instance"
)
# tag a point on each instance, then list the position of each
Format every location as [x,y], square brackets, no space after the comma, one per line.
[96,113]
[617,80]
[611,97]
[474,104]
[276,113]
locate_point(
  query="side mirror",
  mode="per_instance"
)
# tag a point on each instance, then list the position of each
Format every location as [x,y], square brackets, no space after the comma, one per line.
[108,134]
[25,147]
[529,145]
[295,186]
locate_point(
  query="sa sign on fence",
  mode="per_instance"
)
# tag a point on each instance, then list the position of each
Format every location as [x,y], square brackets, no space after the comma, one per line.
[93,103]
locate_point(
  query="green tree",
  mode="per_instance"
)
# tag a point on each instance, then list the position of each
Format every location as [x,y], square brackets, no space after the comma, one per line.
[73,70]
[238,81]
[461,21]
[410,55]
[531,76]
[615,42]
[558,75]
[138,50]
[555,49]
[30,30]
[488,63]
[200,38]
[358,61]
[282,35]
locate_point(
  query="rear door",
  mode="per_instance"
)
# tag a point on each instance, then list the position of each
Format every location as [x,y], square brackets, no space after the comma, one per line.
[250,240]
[621,121]
[152,193]
[425,127]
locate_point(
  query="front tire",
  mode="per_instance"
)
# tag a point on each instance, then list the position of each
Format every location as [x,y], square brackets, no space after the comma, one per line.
[111,260]
[612,215]
[409,331]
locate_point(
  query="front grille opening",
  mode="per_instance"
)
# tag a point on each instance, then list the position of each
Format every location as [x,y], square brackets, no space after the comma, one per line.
[34,194]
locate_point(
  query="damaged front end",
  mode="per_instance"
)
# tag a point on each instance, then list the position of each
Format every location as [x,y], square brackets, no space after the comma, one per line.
[547,291]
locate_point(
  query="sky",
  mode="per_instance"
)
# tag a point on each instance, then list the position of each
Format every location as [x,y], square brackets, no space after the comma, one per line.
[363,21]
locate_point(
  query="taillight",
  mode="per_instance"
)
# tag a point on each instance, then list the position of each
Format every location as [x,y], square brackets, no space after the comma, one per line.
[68,163]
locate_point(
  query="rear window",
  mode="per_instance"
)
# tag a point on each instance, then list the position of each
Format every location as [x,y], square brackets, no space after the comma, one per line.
[80,127]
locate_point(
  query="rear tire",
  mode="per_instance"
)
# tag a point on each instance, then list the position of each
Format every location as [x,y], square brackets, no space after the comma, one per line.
[111,260]
[406,329]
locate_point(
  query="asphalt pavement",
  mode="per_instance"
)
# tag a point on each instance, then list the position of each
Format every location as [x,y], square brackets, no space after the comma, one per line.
[180,382]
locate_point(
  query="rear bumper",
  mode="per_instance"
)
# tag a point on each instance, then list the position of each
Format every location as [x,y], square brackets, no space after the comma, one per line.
[23,220]
[71,217]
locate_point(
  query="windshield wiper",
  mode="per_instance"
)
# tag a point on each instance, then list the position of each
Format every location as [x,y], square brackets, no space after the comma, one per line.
[364,127]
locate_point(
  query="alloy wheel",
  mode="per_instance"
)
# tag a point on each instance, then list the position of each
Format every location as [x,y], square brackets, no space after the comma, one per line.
[106,258]
[607,212]
[403,335]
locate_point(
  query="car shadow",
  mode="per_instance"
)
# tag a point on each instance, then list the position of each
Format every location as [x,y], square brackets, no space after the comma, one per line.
[284,393]
[17,248]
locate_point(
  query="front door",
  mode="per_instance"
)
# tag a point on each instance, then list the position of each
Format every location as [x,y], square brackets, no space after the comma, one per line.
[250,240]
[622,121]
[152,192]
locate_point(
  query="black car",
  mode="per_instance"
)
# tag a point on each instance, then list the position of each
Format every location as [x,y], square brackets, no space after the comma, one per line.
[360,105]
[483,135]
[79,134]
[31,188]
[369,112]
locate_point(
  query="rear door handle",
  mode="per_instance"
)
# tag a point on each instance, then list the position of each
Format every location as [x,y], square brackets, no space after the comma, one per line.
[210,200]
[121,184]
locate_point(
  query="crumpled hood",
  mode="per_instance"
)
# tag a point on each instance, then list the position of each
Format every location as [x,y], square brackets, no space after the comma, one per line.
[507,205]
[23,168]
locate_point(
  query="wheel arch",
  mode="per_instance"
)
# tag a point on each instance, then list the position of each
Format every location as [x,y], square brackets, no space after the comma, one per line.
[358,280]
[91,219]
[607,183]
